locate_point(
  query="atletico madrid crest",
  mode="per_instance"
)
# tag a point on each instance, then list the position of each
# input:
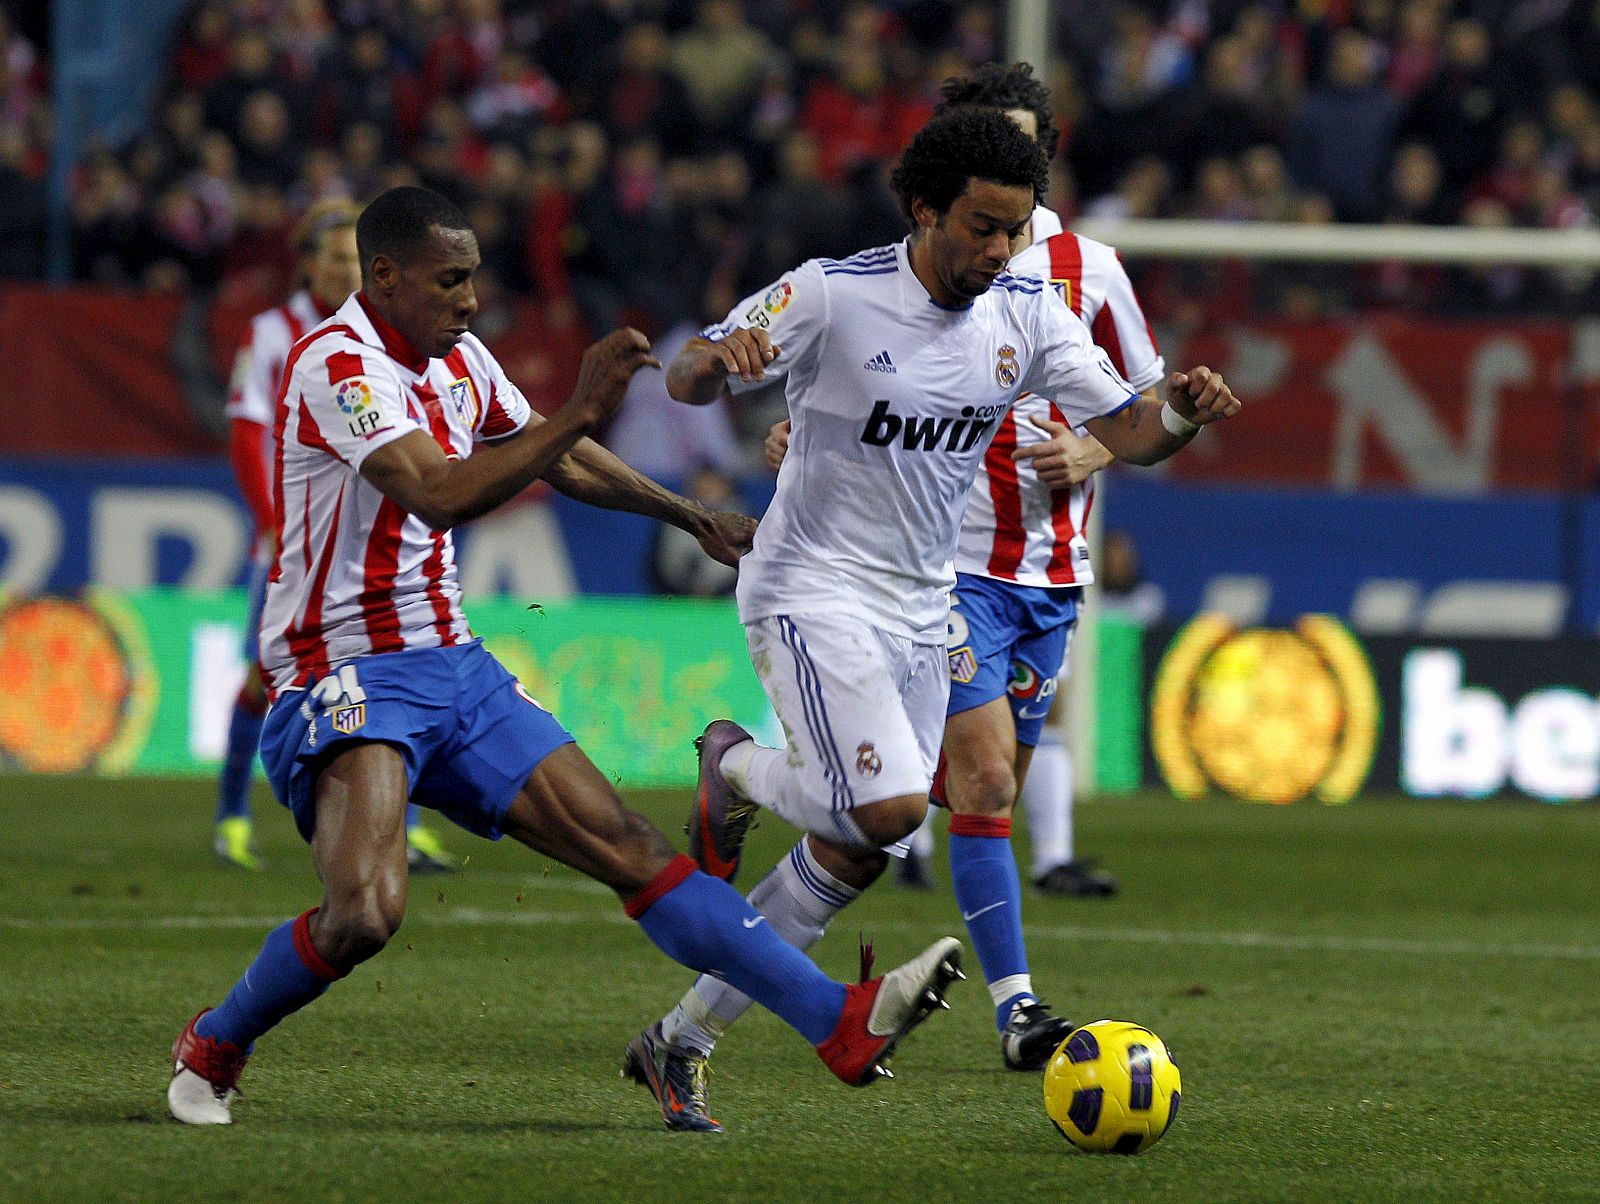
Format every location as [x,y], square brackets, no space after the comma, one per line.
[346,719]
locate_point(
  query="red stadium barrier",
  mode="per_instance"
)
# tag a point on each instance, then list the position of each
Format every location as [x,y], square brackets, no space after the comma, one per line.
[1448,406]
[91,371]
[97,372]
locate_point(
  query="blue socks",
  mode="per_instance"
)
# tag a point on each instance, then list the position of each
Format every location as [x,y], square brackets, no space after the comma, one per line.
[705,924]
[983,873]
[244,737]
[287,974]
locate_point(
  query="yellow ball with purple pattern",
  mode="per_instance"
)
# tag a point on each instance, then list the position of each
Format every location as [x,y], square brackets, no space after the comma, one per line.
[1112,1088]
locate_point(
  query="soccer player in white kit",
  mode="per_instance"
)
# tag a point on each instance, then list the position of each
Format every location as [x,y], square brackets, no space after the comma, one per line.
[330,270]
[1025,528]
[900,365]
[393,425]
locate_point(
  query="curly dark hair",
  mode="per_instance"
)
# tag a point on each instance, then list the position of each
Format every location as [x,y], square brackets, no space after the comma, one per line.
[999,87]
[960,146]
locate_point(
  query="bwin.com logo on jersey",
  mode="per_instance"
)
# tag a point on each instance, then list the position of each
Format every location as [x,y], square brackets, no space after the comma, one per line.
[925,432]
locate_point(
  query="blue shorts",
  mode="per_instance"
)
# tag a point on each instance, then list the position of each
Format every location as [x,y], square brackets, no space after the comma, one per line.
[469,732]
[1009,639]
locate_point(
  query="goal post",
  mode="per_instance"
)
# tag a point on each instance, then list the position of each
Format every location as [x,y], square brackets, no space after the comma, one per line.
[1279,245]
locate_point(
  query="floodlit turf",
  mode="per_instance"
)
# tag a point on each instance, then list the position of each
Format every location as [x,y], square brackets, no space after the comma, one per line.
[1381,1002]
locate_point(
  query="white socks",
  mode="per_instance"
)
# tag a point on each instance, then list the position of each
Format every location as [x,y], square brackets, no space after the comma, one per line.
[922,838]
[765,775]
[798,898]
[1047,799]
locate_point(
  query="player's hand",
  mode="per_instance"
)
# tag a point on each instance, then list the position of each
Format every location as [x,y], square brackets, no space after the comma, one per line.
[607,367]
[1201,396]
[776,444]
[725,536]
[745,353]
[1065,459]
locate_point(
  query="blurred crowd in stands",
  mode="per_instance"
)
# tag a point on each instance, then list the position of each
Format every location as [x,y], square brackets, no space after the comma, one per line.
[655,159]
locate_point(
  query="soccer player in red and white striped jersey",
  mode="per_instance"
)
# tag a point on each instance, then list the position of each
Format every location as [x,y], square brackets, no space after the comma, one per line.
[325,240]
[392,426]
[1027,515]
[330,271]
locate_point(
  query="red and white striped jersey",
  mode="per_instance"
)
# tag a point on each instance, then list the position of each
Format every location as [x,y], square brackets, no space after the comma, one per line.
[1016,528]
[258,367]
[355,574]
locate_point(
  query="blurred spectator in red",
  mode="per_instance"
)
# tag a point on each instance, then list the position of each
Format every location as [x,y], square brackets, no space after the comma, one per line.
[1416,54]
[854,115]
[506,107]
[305,38]
[644,95]
[202,54]
[1510,177]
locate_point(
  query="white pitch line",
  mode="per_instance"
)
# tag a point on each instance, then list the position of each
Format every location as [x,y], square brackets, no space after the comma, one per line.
[475,917]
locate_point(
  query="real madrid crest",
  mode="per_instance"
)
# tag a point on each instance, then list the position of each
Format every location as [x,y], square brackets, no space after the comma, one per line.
[868,763]
[1006,370]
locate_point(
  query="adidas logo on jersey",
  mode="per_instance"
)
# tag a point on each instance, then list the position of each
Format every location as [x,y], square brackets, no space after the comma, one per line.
[880,363]
[918,432]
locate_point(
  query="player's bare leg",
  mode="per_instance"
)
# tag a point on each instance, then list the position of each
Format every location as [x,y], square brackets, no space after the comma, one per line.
[568,810]
[359,848]
[982,764]
[360,853]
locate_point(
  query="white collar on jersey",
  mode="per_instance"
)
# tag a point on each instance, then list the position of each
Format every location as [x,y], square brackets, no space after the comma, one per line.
[1045,224]
[914,295]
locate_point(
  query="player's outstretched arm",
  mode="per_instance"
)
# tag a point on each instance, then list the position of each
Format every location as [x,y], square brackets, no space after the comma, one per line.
[1144,432]
[699,373]
[414,472]
[589,473]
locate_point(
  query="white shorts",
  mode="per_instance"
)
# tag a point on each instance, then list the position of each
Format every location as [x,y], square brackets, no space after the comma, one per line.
[862,709]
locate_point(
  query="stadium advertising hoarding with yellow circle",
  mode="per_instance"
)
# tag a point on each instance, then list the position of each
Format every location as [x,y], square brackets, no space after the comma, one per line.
[1315,711]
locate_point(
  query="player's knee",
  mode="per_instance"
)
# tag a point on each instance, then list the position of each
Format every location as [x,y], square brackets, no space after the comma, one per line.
[892,819]
[350,933]
[855,866]
[988,786]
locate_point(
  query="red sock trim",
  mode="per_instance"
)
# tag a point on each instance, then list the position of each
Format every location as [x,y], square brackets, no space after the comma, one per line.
[981,825]
[669,879]
[314,961]
[937,794]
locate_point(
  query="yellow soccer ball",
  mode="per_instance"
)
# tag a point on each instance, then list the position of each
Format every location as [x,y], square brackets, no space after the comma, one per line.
[1112,1088]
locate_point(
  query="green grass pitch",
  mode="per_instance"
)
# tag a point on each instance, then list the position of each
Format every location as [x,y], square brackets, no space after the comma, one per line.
[1386,1001]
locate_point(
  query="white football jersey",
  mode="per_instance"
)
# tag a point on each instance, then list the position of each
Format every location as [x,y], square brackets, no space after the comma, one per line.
[894,400]
[355,574]
[1016,528]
